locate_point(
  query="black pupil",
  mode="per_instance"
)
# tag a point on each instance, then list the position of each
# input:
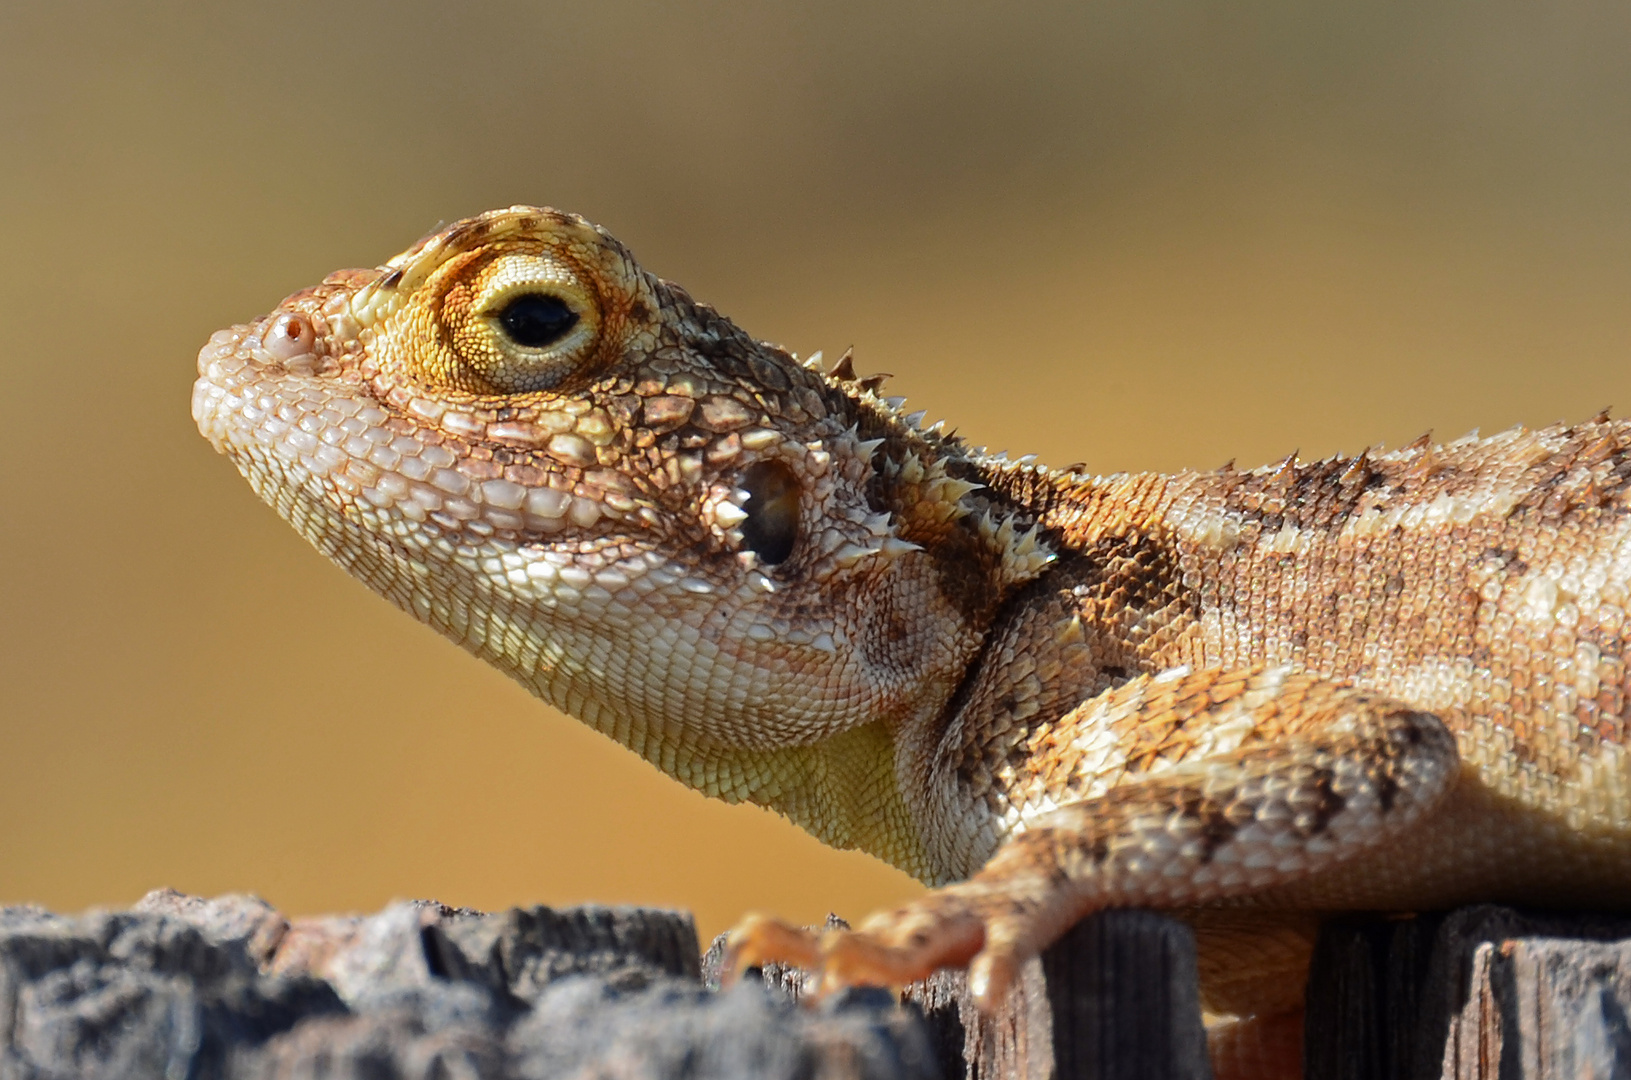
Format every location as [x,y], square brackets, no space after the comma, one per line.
[535,320]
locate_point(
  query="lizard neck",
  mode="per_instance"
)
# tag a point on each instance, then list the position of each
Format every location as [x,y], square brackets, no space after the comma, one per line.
[1040,654]
[843,791]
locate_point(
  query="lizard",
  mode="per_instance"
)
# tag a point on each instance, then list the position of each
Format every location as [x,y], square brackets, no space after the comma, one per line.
[1390,681]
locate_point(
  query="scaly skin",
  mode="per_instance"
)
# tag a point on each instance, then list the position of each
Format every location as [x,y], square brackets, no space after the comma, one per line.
[1389,682]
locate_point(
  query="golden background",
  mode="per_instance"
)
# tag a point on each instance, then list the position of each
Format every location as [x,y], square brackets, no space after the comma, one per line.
[1140,234]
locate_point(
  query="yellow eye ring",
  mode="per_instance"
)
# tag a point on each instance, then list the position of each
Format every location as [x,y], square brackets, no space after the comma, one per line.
[523,322]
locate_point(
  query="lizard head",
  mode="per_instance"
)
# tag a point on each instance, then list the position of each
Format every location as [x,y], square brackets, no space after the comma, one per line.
[678,534]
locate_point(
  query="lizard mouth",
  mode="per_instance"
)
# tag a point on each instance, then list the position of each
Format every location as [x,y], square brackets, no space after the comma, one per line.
[390,501]
[553,570]
[612,518]
[269,406]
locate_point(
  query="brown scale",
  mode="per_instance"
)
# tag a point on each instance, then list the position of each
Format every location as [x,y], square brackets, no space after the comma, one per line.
[1410,595]
[1209,658]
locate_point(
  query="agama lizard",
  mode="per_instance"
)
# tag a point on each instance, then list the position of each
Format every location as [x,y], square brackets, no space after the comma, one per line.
[1393,681]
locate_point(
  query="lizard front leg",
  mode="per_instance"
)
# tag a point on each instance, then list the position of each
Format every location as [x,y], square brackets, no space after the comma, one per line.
[1225,783]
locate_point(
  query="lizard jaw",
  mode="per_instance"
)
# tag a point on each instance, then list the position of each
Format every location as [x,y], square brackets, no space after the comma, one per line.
[579,514]
[390,509]
[572,593]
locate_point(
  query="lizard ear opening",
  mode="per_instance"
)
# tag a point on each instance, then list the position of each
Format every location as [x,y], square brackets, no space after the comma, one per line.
[772,508]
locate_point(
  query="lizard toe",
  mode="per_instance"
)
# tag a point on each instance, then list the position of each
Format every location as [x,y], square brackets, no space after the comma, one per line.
[902,946]
[760,939]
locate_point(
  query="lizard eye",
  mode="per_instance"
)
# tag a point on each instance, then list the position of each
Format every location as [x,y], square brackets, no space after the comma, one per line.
[772,508]
[537,320]
[521,322]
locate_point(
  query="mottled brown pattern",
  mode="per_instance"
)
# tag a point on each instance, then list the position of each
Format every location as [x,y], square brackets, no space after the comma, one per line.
[1394,681]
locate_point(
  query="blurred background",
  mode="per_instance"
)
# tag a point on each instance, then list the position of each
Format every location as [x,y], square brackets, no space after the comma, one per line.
[1143,234]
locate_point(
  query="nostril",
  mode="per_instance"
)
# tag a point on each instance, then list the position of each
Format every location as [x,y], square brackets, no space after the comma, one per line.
[289,336]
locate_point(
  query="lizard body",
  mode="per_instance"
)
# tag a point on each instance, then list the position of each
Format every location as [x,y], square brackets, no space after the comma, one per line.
[1394,681]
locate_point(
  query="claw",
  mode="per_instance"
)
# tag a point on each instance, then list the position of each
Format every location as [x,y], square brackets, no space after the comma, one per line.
[990,976]
[891,949]
[760,939]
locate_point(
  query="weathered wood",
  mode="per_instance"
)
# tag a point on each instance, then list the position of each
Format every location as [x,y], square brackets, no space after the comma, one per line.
[1014,1043]
[1570,1000]
[1114,999]
[1484,993]
[1364,1012]
[1124,1000]
[229,989]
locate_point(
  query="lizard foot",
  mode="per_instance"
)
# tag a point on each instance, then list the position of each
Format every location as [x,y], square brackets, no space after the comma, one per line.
[1319,772]
[993,931]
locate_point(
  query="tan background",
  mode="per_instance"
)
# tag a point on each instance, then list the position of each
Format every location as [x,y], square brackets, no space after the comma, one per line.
[1142,234]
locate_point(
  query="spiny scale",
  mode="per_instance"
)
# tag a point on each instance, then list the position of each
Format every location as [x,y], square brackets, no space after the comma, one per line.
[1397,681]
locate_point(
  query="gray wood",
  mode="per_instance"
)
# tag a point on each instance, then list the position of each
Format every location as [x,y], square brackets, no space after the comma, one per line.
[1125,1001]
[1483,993]
[1014,1043]
[1364,1013]
[1545,1009]
[1115,999]
[229,989]
[523,950]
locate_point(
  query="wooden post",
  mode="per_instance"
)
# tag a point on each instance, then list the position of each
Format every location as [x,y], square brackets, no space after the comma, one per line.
[1484,993]
[1116,998]
[1124,999]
